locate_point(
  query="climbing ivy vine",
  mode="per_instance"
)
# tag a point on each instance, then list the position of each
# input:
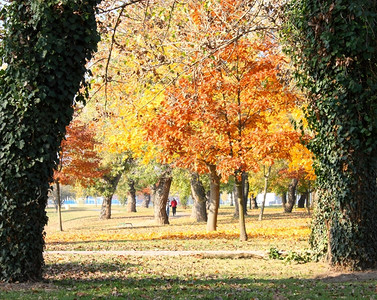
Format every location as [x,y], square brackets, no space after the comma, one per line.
[333,44]
[45,47]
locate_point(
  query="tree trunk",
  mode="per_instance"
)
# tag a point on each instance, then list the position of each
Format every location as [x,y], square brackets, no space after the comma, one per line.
[59,204]
[253,202]
[291,196]
[245,188]
[236,204]
[146,200]
[284,200]
[302,200]
[214,199]
[111,186]
[153,192]
[199,207]
[131,202]
[231,199]
[266,177]
[240,201]
[161,197]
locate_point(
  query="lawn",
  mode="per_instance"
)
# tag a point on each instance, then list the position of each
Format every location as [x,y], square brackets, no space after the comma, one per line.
[105,275]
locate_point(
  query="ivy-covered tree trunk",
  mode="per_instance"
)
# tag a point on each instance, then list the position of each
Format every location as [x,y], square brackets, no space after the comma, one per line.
[162,196]
[131,202]
[45,47]
[199,207]
[214,199]
[334,46]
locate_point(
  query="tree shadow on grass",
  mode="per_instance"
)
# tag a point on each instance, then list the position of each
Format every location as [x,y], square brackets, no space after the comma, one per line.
[165,287]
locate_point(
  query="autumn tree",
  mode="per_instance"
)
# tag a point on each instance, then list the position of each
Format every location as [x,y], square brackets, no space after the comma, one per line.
[222,120]
[78,160]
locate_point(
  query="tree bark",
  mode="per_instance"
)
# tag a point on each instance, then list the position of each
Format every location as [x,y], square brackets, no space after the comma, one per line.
[161,197]
[146,200]
[236,204]
[266,177]
[131,203]
[214,199]
[253,202]
[111,186]
[199,207]
[302,200]
[291,196]
[245,188]
[240,201]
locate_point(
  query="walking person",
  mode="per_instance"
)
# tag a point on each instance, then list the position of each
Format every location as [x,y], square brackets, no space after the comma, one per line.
[173,205]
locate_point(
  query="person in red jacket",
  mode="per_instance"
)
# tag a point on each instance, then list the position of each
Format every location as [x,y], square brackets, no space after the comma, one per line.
[173,205]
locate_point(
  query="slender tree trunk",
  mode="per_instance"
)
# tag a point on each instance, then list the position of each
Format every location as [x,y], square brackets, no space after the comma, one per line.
[111,186]
[266,177]
[161,197]
[291,196]
[236,204]
[131,203]
[199,207]
[231,199]
[245,188]
[240,201]
[146,200]
[59,203]
[153,192]
[214,199]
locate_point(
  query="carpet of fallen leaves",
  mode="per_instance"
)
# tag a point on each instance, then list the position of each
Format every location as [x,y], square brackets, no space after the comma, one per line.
[125,231]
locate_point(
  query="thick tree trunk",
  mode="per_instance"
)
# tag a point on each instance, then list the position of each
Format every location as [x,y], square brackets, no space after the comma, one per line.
[302,200]
[240,201]
[214,199]
[266,178]
[291,201]
[111,186]
[199,207]
[284,200]
[59,204]
[161,197]
[131,202]
[146,200]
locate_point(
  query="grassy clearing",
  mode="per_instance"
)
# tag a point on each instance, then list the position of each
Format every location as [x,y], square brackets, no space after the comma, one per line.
[109,276]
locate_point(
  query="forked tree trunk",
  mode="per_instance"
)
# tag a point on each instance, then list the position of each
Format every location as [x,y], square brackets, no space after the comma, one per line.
[111,185]
[240,201]
[161,197]
[131,202]
[199,207]
[266,178]
[291,199]
[214,199]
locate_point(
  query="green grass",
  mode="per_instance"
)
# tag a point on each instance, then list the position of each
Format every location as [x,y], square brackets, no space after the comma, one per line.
[109,276]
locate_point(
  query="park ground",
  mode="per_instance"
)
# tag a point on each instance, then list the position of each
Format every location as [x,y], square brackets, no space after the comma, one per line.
[129,257]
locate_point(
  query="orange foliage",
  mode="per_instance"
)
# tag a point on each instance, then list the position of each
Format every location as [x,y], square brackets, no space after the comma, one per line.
[232,114]
[78,158]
